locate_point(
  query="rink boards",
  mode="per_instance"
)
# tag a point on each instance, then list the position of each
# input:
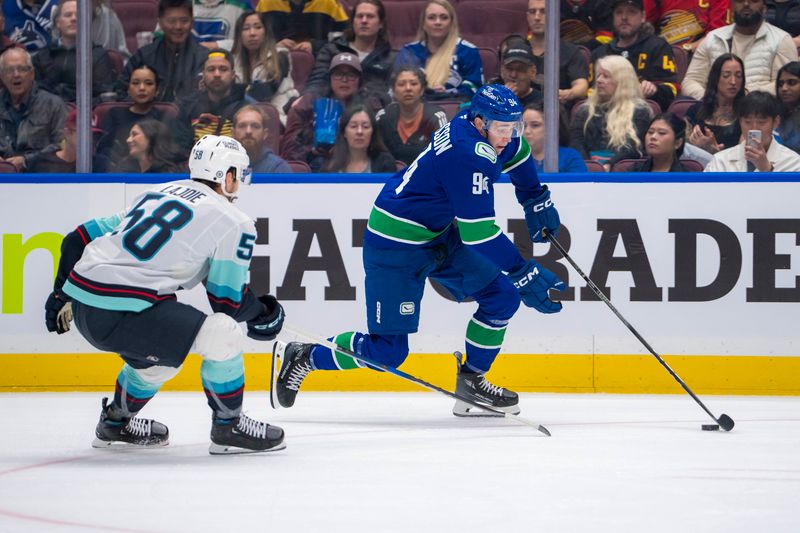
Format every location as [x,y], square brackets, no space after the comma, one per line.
[707,271]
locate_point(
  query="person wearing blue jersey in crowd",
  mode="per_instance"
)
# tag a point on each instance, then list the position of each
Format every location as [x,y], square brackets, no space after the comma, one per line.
[452,64]
[28,22]
[117,277]
[411,236]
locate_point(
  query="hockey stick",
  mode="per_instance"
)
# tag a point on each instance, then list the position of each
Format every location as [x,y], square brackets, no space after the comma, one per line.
[408,377]
[724,420]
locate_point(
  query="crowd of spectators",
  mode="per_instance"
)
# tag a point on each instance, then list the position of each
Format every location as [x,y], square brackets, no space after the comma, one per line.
[644,85]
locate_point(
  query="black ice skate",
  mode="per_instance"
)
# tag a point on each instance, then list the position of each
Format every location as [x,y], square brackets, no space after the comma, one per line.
[475,387]
[122,430]
[291,363]
[243,435]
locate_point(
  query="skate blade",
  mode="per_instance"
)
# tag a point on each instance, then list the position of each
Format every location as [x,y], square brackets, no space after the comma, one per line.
[278,349]
[466,410]
[220,449]
[116,444]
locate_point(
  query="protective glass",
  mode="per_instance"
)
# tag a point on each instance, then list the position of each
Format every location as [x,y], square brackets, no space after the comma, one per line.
[505,129]
[247,176]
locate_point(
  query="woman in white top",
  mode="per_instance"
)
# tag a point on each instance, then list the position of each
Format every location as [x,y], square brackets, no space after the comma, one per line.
[261,65]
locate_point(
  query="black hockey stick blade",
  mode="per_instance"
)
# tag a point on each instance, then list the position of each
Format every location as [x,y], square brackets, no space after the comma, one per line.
[724,420]
[408,377]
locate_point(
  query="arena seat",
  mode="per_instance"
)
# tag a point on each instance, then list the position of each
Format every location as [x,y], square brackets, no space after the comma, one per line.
[117,61]
[681,61]
[626,165]
[274,126]
[680,106]
[692,166]
[136,16]
[402,21]
[302,63]
[299,167]
[504,16]
[594,166]
[491,64]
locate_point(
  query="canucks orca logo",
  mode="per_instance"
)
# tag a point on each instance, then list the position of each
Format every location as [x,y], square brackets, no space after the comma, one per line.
[29,36]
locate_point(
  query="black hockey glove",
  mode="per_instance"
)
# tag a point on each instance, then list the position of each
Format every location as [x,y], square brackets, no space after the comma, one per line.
[540,213]
[533,283]
[57,313]
[268,324]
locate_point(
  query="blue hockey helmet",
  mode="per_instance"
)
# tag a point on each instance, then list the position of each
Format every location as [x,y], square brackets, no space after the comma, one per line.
[500,110]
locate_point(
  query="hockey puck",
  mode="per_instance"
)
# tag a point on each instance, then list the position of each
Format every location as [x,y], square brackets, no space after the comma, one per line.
[710,427]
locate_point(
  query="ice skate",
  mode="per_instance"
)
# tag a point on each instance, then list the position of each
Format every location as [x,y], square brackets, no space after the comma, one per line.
[143,432]
[477,388]
[291,363]
[244,435]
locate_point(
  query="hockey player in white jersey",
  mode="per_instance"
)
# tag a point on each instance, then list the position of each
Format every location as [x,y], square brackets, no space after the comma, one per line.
[118,276]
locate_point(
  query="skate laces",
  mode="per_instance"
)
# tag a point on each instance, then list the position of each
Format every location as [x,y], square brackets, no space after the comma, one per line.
[488,387]
[251,427]
[298,374]
[140,427]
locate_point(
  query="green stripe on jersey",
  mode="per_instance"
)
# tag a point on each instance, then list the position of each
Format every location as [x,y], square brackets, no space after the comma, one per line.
[485,336]
[342,360]
[523,153]
[399,229]
[478,230]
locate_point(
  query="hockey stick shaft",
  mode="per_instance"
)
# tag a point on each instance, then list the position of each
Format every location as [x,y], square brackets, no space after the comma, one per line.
[724,420]
[408,377]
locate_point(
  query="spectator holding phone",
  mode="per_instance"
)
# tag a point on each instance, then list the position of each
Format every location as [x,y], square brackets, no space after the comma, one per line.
[712,123]
[759,114]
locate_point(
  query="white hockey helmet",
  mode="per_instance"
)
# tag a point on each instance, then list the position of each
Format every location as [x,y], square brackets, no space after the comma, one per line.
[213,155]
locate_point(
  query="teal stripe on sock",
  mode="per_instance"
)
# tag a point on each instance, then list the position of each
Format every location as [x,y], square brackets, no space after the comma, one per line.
[223,376]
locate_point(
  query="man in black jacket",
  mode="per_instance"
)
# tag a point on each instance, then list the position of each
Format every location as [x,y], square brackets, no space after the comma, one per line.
[210,111]
[650,55]
[56,64]
[365,37]
[176,56]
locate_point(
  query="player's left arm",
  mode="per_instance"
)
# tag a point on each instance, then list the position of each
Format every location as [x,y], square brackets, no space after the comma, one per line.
[228,274]
[471,193]
[228,290]
[540,212]
[58,314]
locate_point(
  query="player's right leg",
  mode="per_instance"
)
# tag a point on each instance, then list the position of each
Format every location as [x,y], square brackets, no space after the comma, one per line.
[395,281]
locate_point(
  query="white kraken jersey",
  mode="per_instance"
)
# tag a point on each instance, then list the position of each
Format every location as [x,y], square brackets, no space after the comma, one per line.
[173,236]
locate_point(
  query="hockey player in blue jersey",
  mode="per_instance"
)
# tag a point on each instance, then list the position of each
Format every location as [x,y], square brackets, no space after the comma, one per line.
[436,220]
[118,276]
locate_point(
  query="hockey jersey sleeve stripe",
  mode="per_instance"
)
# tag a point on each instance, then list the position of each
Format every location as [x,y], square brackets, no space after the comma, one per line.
[100,226]
[485,336]
[477,231]
[523,153]
[399,229]
[226,279]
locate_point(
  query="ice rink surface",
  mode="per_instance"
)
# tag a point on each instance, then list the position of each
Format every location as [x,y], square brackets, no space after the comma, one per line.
[401,462]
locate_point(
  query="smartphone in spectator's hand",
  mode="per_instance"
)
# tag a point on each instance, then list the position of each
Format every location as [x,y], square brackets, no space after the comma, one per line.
[753,138]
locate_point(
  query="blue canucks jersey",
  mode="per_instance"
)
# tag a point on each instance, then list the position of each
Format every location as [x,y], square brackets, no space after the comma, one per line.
[453,180]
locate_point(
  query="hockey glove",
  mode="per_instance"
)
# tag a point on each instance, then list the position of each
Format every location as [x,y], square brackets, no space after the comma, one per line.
[57,313]
[268,324]
[540,214]
[533,283]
